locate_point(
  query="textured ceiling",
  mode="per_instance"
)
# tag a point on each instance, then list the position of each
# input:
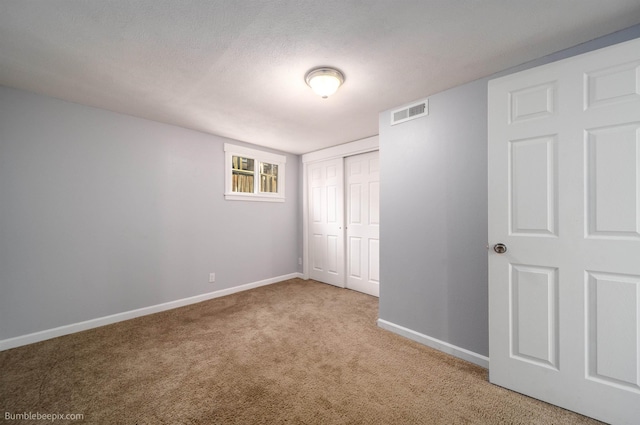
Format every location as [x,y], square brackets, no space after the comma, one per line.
[236,67]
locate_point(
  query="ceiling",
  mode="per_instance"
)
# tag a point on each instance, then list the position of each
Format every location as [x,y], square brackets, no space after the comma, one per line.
[236,68]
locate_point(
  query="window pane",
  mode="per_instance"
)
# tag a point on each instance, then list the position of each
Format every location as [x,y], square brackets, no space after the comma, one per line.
[268,177]
[242,174]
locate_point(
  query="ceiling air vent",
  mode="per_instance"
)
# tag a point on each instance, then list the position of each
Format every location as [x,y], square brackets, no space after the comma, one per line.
[410,112]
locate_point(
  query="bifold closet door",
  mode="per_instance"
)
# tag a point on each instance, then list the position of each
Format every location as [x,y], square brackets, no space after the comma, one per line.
[362,183]
[326,226]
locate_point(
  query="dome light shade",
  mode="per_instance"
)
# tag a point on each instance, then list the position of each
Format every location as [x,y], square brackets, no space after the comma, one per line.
[324,81]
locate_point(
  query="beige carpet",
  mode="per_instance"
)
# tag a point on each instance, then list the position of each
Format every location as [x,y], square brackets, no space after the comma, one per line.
[296,352]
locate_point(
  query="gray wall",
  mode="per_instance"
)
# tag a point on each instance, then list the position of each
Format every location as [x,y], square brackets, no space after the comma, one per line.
[102,213]
[434,212]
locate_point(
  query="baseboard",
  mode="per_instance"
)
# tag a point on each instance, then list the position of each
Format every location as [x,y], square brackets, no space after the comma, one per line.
[119,317]
[445,347]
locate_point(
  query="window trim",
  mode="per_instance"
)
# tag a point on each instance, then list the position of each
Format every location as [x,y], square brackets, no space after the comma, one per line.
[258,156]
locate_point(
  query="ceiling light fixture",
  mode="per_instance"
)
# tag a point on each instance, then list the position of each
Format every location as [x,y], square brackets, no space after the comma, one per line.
[324,81]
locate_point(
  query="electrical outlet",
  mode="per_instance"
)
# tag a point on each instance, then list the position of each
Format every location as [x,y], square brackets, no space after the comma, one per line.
[300,261]
[212,277]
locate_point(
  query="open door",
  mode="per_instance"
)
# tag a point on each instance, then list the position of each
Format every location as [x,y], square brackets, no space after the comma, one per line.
[564,233]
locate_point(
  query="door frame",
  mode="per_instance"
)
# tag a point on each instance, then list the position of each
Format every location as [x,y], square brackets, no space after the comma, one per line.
[369,144]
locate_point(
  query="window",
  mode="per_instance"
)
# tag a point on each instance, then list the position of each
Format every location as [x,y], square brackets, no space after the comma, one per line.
[253,175]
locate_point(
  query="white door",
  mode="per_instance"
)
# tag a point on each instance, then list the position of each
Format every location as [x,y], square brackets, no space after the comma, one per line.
[564,198]
[363,222]
[326,214]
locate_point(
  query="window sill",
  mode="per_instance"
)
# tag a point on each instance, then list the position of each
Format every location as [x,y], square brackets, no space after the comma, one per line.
[251,197]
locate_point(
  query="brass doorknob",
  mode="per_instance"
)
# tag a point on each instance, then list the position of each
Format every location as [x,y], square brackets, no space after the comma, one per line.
[500,248]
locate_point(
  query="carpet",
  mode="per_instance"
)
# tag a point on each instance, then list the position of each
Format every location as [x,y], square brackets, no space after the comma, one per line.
[295,352]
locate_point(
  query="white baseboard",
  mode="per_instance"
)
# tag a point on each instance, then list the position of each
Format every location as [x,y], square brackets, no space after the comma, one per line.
[119,317]
[445,347]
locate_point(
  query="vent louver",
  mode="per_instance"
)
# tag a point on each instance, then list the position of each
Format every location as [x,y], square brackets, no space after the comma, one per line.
[410,112]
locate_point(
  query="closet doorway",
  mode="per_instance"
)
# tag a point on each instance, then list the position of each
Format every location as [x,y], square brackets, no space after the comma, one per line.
[342,220]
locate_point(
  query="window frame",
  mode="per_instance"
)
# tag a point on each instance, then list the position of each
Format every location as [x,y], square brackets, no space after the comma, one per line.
[259,157]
